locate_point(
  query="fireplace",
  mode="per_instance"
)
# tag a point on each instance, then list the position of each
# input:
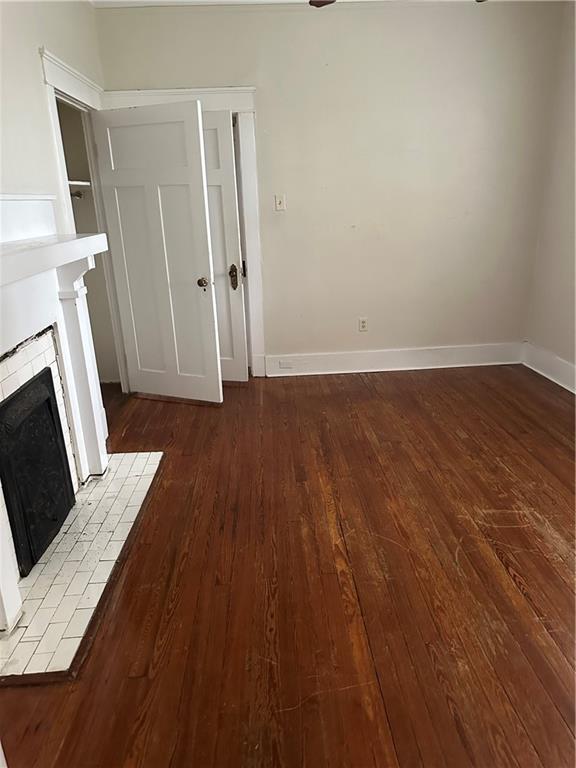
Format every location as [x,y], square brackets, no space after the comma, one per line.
[44,322]
[34,468]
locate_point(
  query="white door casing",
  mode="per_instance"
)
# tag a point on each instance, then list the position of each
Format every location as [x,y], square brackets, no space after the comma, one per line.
[152,171]
[225,238]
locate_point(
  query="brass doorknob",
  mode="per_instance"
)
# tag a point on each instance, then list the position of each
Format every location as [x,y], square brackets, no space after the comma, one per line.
[233,275]
[202,282]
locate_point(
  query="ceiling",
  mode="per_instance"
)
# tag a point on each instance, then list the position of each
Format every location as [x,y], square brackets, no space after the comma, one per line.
[143,3]
[160,3]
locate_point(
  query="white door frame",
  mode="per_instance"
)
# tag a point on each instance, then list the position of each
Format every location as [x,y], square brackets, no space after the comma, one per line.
[241,101]
[71,86]
[68,84]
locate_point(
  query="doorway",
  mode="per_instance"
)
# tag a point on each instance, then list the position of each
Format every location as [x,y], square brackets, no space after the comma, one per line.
[220,161]
[65,84]
[82,196]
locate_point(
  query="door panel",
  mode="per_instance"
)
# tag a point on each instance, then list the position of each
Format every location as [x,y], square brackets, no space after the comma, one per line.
[152,169]
[131,208]
[225,237]
[159,145]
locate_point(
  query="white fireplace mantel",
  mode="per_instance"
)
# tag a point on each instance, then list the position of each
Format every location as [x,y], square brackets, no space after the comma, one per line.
[42,286]
[20,259]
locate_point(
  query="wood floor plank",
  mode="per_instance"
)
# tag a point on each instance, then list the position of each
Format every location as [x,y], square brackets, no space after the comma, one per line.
[337,571]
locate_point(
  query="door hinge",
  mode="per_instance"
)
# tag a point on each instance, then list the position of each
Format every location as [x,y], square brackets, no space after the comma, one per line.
[234,121]
[243,267]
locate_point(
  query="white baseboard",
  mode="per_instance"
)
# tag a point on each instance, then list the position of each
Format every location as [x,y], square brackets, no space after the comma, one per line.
[258,365]
[550,365]
[365,361]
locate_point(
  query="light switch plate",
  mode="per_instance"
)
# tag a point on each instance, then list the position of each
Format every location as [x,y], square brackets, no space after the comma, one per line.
[279,202]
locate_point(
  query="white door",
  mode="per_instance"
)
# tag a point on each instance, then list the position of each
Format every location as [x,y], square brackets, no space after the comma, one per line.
[226,250]
[152,170]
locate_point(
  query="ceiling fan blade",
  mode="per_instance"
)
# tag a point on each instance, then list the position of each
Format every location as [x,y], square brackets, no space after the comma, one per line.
[320,3]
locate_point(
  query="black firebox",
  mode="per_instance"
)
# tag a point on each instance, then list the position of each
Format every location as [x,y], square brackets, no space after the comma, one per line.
[34,468]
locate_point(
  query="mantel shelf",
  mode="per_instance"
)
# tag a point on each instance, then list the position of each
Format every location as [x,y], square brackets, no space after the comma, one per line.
[21,259]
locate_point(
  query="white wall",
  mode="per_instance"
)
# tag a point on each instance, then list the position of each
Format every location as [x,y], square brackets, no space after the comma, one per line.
[412,142]
[550,323]
[68,30]
[409,140]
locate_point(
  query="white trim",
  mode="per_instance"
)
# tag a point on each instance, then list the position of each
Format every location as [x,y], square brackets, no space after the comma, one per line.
[241,101]
[258,365]
[549,365]
[68,84]
[63,203]
[249,210]
[21,259]
[235,99]
[364,361]
[69,81]
[110,281]
[9,196]
[3,763]
[217,3]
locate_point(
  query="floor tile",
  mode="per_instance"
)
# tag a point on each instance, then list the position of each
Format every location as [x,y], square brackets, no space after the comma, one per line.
[64,654]
[89,561]
[30,580]
[66,573]
[62,591]
[47,554]
[68,541]
[19,659]
[51,638]
[39,624]
[137,497]
[66,609]
[143,484]
[90,532]
[54,596]
[9,642]
[54,564]
[102,571]
[100,541]
[106,503]
[121,532]
[79,583]
[79,550]
[38,662]
[130,514]
[111,523]
[98,516]
[119,506]
[91,595]
[78,623]
[40,587]
[112,550]
[29,608]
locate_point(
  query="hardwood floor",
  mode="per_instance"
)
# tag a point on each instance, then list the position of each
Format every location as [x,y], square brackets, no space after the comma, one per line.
[360,570]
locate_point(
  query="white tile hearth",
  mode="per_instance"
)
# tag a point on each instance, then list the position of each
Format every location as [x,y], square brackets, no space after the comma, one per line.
[62,591]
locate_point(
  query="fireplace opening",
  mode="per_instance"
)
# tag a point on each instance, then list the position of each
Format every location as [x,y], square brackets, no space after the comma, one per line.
[34,469]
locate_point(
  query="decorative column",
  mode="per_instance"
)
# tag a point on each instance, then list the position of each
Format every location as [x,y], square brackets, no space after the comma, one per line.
[81,373]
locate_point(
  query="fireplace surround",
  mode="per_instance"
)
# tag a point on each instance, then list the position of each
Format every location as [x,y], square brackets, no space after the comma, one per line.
[42,286]
[34,468]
